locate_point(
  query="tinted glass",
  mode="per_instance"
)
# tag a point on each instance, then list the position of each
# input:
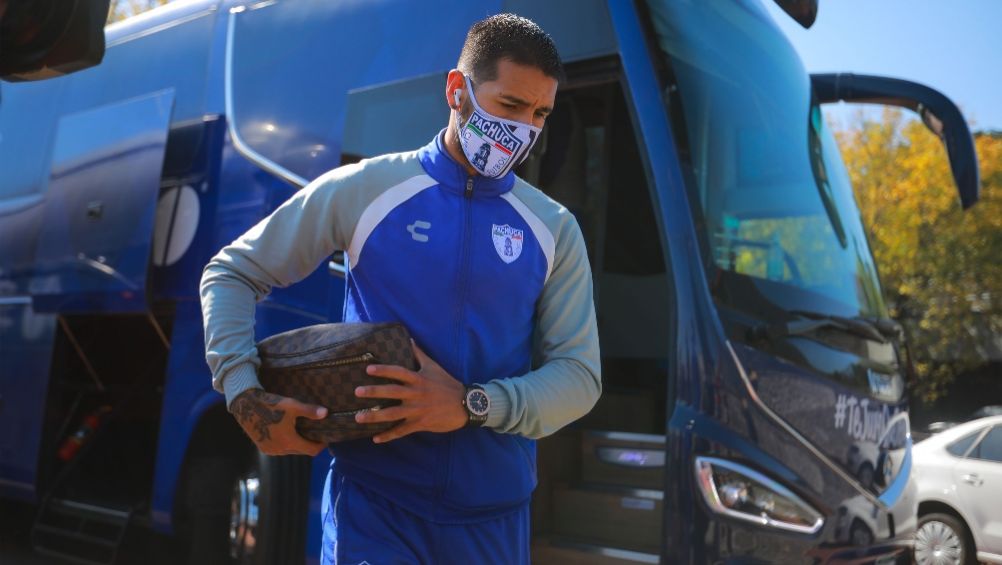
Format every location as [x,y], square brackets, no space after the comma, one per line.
[770,192]
[990,447]
[896,435]
[294,64]
[960,447]
[373,124]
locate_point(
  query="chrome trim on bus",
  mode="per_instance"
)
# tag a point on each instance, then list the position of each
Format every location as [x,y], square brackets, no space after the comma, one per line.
[628,436]
[113,29]
[713,500]
[612,552]
[18,203]
[629,492]
[231,121]
[798,436]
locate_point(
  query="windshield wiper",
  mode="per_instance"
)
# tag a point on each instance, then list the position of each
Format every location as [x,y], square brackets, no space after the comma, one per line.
[881,330]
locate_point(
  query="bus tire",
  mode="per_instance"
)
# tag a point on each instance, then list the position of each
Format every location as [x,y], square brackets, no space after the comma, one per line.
[224,494]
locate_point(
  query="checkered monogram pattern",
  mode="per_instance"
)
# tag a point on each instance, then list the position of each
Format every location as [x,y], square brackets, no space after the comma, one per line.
[323,364]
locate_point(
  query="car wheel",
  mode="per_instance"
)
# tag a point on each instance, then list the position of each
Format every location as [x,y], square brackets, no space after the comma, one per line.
[248,512]
[942,539]
[860,534]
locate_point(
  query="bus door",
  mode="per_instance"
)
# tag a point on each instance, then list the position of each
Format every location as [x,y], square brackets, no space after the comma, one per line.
[94,250]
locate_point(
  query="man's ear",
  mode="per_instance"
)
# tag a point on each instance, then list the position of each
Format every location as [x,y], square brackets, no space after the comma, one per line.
[454,85]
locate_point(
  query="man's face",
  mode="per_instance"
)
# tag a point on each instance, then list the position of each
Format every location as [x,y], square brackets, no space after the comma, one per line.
[519,92]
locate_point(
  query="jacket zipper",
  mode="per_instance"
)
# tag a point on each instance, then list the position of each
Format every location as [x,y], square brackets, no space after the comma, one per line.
[361,358]
[464,271]
[463,281]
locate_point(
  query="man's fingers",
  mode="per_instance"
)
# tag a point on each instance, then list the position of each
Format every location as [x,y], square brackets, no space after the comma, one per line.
[394,372]
[287,441]
[396,432]
[310,411]
[292,443]
[270,422]
[390,414]
[385,391]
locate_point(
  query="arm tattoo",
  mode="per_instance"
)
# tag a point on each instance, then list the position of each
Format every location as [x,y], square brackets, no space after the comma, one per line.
[255,410]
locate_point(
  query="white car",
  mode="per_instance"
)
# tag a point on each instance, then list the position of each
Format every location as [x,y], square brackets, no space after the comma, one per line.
[958,473]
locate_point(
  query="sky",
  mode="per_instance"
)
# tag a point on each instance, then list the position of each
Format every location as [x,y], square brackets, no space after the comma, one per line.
[954,46]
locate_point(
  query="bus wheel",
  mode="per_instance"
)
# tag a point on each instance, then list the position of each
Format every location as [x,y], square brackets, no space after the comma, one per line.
[244,514]
[248,512]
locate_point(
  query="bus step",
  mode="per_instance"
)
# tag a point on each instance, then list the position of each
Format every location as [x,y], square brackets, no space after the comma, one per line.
[552,550]
[79,532]
[623,459]
[616,516]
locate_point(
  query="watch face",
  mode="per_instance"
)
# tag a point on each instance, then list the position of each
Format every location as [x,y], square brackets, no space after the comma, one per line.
[478,402]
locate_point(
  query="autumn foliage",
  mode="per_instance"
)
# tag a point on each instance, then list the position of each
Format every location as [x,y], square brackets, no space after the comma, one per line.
[940,266]
[122,9]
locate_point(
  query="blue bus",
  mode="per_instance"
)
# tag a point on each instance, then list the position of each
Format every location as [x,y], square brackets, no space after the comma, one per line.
[754,405]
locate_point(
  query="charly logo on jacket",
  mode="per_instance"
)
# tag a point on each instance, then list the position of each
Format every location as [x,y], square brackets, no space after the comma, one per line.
[507,242]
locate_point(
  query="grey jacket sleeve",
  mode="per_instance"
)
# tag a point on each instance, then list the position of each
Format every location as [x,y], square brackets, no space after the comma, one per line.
[568,383]
[280,250]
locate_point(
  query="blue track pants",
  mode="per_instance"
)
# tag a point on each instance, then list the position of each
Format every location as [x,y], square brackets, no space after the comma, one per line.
[362,527]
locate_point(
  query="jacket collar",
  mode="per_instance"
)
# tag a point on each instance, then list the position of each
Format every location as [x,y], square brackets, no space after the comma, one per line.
[452,176]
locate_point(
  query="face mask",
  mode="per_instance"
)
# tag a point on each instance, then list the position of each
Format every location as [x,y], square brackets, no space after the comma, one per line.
[493,145]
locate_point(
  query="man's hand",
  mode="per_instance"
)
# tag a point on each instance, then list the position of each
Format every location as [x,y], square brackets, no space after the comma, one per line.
[431,400]
[270,421]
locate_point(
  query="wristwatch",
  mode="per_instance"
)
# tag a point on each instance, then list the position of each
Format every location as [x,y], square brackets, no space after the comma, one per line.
[477,405]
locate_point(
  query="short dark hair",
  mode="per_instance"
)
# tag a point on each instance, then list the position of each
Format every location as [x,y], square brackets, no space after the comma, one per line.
[507,36]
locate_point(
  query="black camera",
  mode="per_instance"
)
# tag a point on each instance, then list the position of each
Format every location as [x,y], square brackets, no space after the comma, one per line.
[42,39]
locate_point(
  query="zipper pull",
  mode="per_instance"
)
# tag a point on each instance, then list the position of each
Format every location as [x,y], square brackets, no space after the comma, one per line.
[469,187]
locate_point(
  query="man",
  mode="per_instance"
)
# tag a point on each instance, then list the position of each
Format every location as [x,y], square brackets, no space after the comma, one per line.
[484,270]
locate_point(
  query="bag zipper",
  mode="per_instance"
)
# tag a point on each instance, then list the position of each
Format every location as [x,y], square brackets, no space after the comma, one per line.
[353,412]
[340,361]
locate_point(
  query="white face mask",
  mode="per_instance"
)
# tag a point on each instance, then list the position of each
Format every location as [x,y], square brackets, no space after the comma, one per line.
[493,145]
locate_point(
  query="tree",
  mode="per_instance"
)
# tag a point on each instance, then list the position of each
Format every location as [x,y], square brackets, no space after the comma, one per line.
[121,9]
[940,266]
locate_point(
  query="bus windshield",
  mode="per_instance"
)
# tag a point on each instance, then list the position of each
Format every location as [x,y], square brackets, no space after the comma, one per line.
[770,193]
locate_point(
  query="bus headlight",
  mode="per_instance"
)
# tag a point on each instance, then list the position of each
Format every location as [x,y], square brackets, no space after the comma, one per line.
[739,492]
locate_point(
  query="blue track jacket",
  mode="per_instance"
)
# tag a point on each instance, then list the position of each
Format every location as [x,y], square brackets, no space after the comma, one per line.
[491,278]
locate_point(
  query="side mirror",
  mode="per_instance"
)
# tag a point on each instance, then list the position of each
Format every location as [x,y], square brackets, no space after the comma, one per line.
[804,12]
[938,112]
